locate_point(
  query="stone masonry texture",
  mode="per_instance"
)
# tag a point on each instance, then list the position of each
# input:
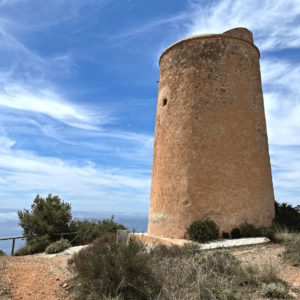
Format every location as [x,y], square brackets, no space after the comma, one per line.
[211,156]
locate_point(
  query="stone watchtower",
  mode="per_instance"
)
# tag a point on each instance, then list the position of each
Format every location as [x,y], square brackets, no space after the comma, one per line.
[211,157]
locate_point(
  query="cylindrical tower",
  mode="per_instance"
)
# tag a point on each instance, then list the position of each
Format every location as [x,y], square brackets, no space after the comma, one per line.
[211,157]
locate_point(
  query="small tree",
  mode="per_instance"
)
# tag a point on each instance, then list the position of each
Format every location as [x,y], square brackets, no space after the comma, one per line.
[48,216]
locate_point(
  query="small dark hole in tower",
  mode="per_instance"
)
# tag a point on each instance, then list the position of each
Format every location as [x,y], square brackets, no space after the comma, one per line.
[165,102]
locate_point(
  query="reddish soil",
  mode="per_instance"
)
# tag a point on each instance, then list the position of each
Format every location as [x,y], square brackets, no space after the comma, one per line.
[35,277]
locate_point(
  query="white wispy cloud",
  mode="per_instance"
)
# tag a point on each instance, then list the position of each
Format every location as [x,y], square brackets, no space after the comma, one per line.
[47,101]
[276,25]
[282,100]
[25,83]
[151,25]
[88,182]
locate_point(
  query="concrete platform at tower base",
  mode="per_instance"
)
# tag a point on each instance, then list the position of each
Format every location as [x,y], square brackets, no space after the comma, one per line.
[153,241]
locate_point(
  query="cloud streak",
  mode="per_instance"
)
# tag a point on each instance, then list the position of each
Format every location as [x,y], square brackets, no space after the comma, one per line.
[276,25]
[91,182]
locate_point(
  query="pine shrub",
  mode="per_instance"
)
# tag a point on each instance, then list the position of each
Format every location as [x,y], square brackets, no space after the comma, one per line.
[47,217]
[2,253]
[58,246]
[203,231]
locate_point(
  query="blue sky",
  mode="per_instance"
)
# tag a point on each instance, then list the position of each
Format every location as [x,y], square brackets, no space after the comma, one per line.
[78,93]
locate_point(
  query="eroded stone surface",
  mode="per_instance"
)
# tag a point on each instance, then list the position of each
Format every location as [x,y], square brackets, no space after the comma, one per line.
[211,157]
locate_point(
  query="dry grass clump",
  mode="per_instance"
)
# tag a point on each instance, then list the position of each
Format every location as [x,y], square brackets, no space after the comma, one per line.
[58,246]
[291,251]
[282,233]
[270,272]
[276,290]
[197,277]
[108,269]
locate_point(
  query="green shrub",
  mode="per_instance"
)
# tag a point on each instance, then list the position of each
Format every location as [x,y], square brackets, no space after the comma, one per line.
[90,229]
[24,250]
[287,215]
[35,245]
[269,233]
[39,244]
[276,290]
[48,216]
[58,246]
[106,268]
[2,253]
[292,250]
[250,230]
[190,248]
[235,233]
[203,231]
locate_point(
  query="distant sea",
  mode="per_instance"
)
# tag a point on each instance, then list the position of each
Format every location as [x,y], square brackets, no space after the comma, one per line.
[9,224]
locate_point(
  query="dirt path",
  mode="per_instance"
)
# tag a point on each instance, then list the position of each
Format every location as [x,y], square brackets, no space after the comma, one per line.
[35,277]
[40,277]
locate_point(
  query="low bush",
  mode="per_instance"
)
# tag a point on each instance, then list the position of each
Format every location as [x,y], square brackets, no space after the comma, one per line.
[58,246]
[276,290]
[2,253]
[235,233]
[90,229]
[203,231]
[248,275]
[24,250]
[223,262]
[269,233]
[190,248]
[291,251]
[106,268]
[35,245]
[250,230]
[269,272]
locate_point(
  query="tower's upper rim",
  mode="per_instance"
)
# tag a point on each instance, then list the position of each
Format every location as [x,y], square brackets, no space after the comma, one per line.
[239,33]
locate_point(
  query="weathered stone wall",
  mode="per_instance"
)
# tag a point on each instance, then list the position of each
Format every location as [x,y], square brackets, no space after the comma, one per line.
[211,157]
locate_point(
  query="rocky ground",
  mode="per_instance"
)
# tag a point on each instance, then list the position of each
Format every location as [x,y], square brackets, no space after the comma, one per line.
[47,277]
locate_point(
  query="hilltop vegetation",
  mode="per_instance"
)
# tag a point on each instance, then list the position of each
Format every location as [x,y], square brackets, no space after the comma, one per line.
[51,216]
